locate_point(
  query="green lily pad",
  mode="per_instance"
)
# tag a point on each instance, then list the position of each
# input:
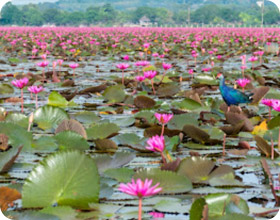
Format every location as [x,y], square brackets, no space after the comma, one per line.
[101,131]
[48,117]
[71,140]
[123,175]
[7,158]
[105,162]
[205,79]
[128,139]
[114,94]
[63,212]
[45,143]
[18,118]
[6,89]
[169,181]
[179,121]
[187,104]
[274,122]
[18,136]
[87,117]
[66,178]
[55,99]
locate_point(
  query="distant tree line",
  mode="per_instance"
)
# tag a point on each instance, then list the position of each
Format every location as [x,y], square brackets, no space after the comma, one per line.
[33,15]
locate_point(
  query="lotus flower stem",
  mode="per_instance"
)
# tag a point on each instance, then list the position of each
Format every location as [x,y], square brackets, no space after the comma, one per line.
[36,98]
[272,148]
[123,77]
[162,130]
[224,145]
[163,75]
[21,90]
[163,158]
[279,140]
[181,79]
[30,121]
[152,82]
[140,209]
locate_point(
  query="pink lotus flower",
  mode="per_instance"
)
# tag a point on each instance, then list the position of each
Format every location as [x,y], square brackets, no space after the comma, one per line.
[253,59]
[146,45]
[157,215]
[243,67]
[142,63]
[276,105]
[43,64]
[243,82]
[35,89]
[60,62]
[140,78]
[155,54]
[268,102]
[166,66]
[207,69]
[191,72]
[126,57]
[219,57]
[54,63]
[44,56]
[73,65]
[150,74]
[162,55]
[140,189]
[163,118]
[20,83]
[156,144]
[122,66]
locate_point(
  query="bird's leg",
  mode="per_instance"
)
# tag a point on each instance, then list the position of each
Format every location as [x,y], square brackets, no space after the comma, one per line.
[240,109]
[228,109]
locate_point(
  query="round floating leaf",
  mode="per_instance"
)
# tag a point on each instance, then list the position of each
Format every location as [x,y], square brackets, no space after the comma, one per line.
[187,104]
[264,147]
[72,125]
[45,143]
[179,121]
[196,133]
[18,136]
[7,158]
[65,178]
[6,89]
[120,174]
[197,209]
[124,122]
[48,116]
[220,204]
[86,117]
[31,215]
[105,144]
[169,181]
[128,139]
[274,123]
[171,205]
[196,168]
[105,162]
[205,79]
[94,89]
[71,140]
[101,131]
[142,101]
[63,212]
[114,94]
[56,99]
[168,90]
[18,118]
[235,216]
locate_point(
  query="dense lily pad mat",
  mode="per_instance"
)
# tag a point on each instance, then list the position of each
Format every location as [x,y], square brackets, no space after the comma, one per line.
[107,121]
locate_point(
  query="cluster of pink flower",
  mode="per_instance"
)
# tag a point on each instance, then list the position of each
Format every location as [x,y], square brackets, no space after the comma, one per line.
[272,103]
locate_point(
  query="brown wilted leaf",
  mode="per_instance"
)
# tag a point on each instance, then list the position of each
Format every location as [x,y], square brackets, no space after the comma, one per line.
[259,93]
[105,144]
[235,118]
[196,133]
[171,166]
[144,102]
[72,125]
[13,99]
[7,196]
[156,130]
[94,89]
[3,142]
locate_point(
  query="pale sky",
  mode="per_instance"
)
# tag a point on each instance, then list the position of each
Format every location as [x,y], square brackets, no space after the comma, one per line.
[22,2]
